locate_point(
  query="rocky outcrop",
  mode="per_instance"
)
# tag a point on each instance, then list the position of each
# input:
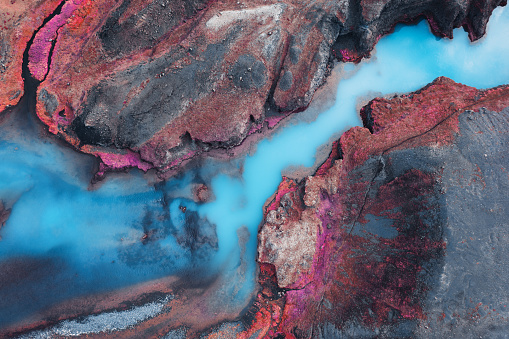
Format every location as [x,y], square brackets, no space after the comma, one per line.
[18,19]
[152,84]
[386,217]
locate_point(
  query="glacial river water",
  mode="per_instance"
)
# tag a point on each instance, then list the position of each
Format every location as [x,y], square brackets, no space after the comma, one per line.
[64,240]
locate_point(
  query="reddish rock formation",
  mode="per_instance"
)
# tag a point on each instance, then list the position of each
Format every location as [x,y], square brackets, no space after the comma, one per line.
[370,223]
[201,193]
[152,84]
[18,19]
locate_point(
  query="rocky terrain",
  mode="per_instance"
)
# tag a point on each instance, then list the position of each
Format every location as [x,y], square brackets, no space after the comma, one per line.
[401,232]
[404,206]
[152,84]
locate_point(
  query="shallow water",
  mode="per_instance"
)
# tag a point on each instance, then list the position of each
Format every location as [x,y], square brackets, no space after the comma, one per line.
[84,241]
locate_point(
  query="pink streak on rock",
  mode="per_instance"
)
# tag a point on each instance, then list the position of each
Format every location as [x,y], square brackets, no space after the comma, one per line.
[273,121]
[255,128]
[286,186]
[38,55]
[347,55]
[119,161]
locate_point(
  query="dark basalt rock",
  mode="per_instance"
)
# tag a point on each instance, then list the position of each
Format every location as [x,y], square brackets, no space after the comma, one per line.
[137,78]
[248,73]
[123,33]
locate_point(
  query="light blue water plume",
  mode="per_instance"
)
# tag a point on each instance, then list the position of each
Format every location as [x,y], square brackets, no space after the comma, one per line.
[92,239]
[404,61]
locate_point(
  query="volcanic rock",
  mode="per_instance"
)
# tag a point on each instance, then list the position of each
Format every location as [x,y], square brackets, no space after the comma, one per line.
[401,208]
[18,19]
[152,84]
[201,193]
[290,248]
